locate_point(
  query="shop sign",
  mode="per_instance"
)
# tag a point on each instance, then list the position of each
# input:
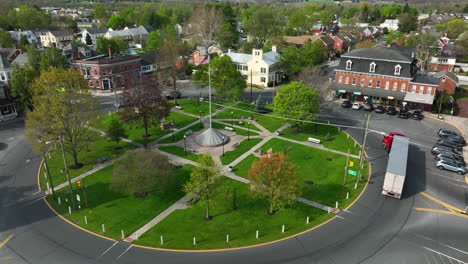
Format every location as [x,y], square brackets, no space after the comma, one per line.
[342,91]
[390,97]
[357,93]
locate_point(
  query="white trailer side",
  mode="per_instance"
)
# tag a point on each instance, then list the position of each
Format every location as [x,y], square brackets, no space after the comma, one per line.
[396,168]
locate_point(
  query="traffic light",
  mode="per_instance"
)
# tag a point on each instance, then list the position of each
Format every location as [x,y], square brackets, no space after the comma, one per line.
[78,183]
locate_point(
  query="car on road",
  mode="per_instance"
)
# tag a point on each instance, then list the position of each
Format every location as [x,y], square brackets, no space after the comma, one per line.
[388,139]
[170,95]
[446,165]
[416,115]
[449,144]
[403,113]
[356,106]
[392,111]
[346,104]
[458,159]
[457,139]
[380,109]
[445,132]
[367,107]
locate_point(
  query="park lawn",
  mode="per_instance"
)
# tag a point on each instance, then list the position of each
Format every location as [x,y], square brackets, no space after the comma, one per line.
[181,226]
[180,135]
[119,210]
[195,106]
[136,133]
[312,165]
[98,147]
[244,146]
[238,131]
[338,139]
[179,151]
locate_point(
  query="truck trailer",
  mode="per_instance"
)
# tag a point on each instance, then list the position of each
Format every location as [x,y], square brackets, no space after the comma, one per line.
[396,167]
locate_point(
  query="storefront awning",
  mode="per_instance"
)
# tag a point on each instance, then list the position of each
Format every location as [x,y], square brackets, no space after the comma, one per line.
[368,91]
[419,98]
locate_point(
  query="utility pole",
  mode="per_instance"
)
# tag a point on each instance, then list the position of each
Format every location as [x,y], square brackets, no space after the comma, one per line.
[48,175]
[251,93]
[361,156]
[346,168]
[66,170]
[441,96]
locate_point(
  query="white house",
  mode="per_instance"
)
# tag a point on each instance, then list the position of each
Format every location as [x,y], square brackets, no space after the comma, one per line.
[30,36]
[58,39]
[94,33]
[258,68]
[391,24]
[135,37]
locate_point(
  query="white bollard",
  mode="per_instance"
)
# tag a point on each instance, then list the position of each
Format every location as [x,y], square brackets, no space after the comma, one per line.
[227,238]
[194,241]
[136,234]
[328,209]
[66,200]
[48,187]
[59,201]
[336,206]
[69,209]
[355,186]
[282,229]
[109,113]
[103,228]
[354,143]
[162,241]
[256,234]
[347,136]
[123,236]
[307,221]
[45,175]
[86,219]
[49,154]
[79,206]
[347,195]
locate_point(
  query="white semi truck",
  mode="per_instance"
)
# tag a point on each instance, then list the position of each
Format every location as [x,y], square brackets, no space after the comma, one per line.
[396,167]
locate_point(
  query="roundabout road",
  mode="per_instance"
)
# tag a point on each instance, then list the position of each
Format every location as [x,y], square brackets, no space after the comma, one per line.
[376,229]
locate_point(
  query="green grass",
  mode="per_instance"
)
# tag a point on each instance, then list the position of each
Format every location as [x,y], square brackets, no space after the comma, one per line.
[179,228]
[98,147]
[178,151]
[267,121]
[194,106]
[238,131]
[244,146]
[338,139]
[136,133]
[180,135]
[119,210]
[312,165]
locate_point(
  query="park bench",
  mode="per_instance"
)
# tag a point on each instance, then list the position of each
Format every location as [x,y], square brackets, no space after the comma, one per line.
[229,128]
[314,140]
[188,133]
[102,160]
[236,145]
[178,107]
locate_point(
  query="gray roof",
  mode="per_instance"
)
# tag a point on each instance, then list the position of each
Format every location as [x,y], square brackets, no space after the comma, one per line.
[61,33]
[379,54]
[239,57]
[149,57]
[97,30]
[21,60]
[211,138]
[398,157]
[426,79]
[446,73]
[4,64]
[271,57]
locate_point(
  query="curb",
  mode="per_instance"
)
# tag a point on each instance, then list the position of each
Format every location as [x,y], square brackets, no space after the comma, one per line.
[441,120]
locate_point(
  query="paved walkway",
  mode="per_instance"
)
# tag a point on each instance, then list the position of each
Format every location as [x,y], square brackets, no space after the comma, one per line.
[317,146]
[138,144]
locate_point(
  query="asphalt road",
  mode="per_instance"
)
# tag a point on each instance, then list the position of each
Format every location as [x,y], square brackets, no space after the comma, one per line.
[377,229]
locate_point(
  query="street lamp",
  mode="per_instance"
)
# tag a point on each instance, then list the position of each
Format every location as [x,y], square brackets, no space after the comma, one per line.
[47,169]
[224,137]
[185,144]
[173,136]
[200,115]
[248,131]
[232,121]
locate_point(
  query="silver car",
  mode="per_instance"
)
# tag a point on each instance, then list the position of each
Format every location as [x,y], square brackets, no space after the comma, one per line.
[451,160]
[446,165]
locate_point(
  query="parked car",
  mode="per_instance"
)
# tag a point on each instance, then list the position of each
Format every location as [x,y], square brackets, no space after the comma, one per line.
[458,162]
[436,149]
[458,139]
[356,106]
[388,139]
[380,109]
[417,115]
[170,95]
[403,113]
[451,144]
[367,107]
[439,150]
[445,132]
[346,104]
[446,165]
[391,111]
[458,159]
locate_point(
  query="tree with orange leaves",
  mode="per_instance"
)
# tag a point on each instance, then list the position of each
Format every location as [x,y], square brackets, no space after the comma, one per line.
[274,178]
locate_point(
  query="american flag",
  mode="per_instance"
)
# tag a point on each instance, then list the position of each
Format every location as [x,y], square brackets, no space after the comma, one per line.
[205,60]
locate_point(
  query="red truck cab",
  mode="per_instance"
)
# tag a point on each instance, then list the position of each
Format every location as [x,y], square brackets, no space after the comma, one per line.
[388,139]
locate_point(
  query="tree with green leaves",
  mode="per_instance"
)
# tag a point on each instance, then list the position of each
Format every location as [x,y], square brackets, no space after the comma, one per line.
[6,40]
[209,21]
[274,178]
[20,85]
[88,39]
[226,80]
[23,42]
[257,29]
[407,23]
[395,36]
[51,57]
[455,27]
[116,131]
[294,59]
[368,43]
[296,100]
[116,22]
[426,47]
[61,107]
[204,182]
[34,57]
[154,41]
[116,45]
[140,172]
[144,103]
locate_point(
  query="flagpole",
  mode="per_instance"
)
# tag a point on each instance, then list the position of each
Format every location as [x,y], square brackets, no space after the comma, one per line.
[209,86]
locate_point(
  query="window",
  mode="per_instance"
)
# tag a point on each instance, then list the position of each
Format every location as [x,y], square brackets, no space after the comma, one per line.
[370,83]
[90,83]
[387,85]
[397,69]
[372,67]
[395,86]
[246,68]
[262,70]
[363,81]
[354,81]
[429,90]
[348,64]
[413,88]
[262,79]
[2,93]
[377,84]
[95,72]
[97,83]
[103,72]
[340,79]
[239,67]
[403,87]
[421,89]
[2,75]
[347,80]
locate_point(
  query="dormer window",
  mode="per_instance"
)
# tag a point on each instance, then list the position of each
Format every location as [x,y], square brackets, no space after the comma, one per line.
[397,69]
[348,64]
[372,67]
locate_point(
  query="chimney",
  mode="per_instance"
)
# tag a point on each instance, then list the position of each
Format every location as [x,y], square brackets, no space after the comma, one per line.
[110,51]
[273,48]
[229,51]
[412,54]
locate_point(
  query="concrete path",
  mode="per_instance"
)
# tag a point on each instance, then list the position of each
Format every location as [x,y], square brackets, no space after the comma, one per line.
[138,144]
[251,151]
[317,146]
[317,205]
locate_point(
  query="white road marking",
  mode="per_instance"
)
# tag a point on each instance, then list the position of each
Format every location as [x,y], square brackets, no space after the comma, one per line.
[107,250]
[344,210]
[33,201]
[122,253]
[456,249]
[447,256]
[340,217]
[447,177]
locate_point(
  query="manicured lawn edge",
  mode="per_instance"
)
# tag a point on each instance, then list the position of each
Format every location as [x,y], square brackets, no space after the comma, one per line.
[244,146]
[179,151]
[180,135]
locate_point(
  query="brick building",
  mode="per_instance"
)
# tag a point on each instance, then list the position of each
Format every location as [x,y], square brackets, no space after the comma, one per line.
[448,82]
[442,63]
[104,72]
[384,75]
